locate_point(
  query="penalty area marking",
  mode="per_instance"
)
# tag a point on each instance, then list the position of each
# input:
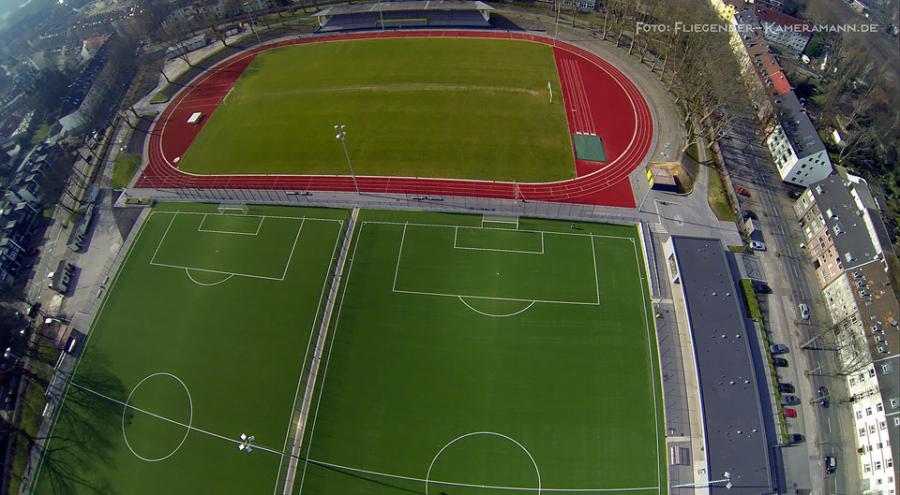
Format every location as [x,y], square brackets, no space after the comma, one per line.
[406,225]
[187,271]
[492,315]
[223,272]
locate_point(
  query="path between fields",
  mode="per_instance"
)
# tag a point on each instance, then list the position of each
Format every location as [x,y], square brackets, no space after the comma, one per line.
[317,354]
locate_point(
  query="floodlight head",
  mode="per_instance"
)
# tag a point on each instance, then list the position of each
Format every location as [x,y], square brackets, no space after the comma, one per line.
[728,485]
[243,436]
[726,475]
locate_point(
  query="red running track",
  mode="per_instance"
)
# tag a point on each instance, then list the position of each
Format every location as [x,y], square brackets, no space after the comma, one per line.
[599,99]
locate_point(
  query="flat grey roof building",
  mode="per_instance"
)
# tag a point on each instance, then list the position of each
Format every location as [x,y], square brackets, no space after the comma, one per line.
[737,428]
[796,124]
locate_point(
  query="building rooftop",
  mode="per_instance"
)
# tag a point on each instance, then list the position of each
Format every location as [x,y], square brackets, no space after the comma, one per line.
[799,129]
[736,425]
[403,6]
[845,222]
[788,22]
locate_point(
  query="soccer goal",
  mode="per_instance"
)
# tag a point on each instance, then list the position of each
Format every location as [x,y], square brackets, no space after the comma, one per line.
[233,209]
[500,221]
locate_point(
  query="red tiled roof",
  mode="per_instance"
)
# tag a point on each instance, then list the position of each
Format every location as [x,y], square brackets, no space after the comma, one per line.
[777,17]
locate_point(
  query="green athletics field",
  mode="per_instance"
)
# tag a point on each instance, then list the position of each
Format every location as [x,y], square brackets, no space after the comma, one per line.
[455,108]
[465,355]
[204,335]
[471,357]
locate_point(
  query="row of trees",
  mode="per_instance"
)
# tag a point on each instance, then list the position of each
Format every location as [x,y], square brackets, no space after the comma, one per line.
[697,65]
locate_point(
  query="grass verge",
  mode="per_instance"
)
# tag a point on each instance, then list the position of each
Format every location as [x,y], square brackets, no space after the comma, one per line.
[718,198]
[124,168]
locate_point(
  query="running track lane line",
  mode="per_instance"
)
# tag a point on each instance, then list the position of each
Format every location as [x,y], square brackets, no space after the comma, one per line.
[608,185]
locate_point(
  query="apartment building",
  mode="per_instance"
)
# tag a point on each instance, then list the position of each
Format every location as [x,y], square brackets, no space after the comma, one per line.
[798,152]
[846,240]
[783,29]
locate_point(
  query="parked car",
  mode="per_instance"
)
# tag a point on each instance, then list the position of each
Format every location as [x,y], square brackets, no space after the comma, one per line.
[822,396]
[748,214]
[790,412]
[743,192]
[780,362]
[789,400]
[804,311]
[785,388]
[762,288]
[757,245]
[830,464]
[795,438]
[778,349]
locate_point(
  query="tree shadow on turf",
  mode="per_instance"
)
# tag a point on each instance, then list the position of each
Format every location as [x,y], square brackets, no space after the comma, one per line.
[85,433]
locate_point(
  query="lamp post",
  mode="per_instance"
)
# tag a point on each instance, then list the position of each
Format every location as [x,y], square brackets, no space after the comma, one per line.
[250,20]
[342,137]
[726,478]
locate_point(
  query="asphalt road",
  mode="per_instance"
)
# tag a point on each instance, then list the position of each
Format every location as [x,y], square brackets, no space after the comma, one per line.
[828,431]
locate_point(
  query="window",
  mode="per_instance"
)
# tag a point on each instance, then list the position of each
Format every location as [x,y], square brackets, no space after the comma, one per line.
[871,429]
[867,468]
[879,407]
[871,371]
[893,403]
[896,421]
[868,411]
[859,415]
[878,465]
[889,462]
[882,425]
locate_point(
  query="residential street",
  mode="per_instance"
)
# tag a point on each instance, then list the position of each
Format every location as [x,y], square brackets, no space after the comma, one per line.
[792,279]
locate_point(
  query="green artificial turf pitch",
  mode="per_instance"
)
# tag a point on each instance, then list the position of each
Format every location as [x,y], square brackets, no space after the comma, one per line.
[483,359]
[472,357]
[207,324]
[453,108]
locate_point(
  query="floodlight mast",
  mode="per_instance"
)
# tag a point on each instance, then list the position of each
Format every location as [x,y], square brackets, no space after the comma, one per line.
[342,137]
[726,479]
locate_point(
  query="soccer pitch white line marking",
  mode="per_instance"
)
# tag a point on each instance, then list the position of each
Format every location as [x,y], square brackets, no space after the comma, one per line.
[187,271]
[526,308]
[486,487]
[497,298]
[637,259]
[189,423]
[309,342]
[62,399]
[485,433]
[214,231]
[312,431]
[475,227]
[125,405]
[308,460]
[224,272]
[497,250]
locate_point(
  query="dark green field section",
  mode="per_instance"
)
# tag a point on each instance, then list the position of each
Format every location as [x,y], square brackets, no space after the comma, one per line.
[220,353]
[454,108]
[420,387]
[525,361]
